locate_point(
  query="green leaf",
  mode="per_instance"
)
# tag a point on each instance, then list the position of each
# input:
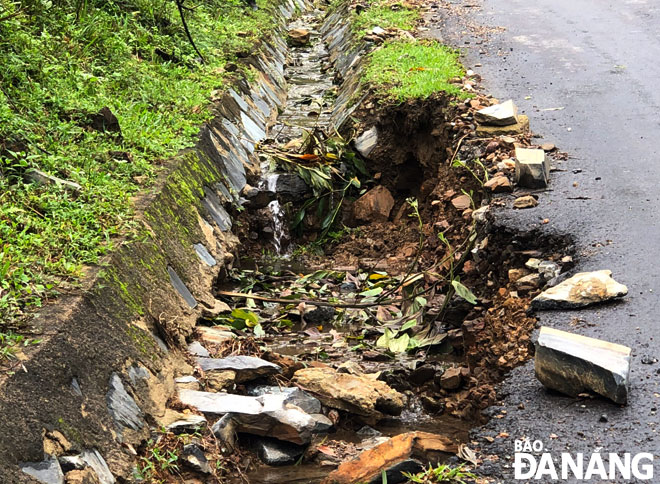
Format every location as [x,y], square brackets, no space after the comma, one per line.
[400,344]
[297,220]
[251,319]
[372,292]
[384,340]
[464,292]
[408,325]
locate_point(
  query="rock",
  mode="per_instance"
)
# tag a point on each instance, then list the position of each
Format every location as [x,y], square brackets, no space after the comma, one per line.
[528,201]
[322,423]
[195,348]
[515,274]
[532,168]
[213,336]
[499,184]
[96,461]
[82,476]
[522,126]
[299,37]
[366,142]
[319,315]
[533,263]
[294,396]
[276,453]
[123,408]
[367,431]
[71,462]
[47,471]
[548,147]
[451,378]
[266,415]
[573,364]
[374,206]
[291,188]
[220,380]
[548,269]
[246,367]
[391,454]
[581,290]
[195,458]
[188,424]
[529,283]
[461,202]
[503,114]
[225,430]
[104,121]
[422,374]
[187,382]
[44,178]
[357,394]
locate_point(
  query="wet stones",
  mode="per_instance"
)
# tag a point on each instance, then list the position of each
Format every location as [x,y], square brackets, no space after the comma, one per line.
[266,415]
[246,368]
[276,453]
[374,206]
[299,37]
[357,394]
[574,364]
[451,378]
[532,168]
[583,289]
[291,188]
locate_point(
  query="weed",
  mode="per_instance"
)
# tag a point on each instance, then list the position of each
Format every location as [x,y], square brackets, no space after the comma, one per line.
[475,172]
[384,14]
[441,474]
[62,63]
[407,70]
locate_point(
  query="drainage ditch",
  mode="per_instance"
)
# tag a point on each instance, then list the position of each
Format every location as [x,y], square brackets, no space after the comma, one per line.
[369,260]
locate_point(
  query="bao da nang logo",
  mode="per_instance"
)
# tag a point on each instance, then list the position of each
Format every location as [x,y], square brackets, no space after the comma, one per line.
[530,462]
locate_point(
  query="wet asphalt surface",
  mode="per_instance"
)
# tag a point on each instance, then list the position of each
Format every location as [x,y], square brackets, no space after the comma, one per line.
[598,60]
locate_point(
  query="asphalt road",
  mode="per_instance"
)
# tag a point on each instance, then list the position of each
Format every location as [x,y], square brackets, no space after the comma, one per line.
[598,61]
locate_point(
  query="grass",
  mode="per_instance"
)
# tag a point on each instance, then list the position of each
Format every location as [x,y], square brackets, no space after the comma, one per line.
[386,15]
[441,474]
[64,61]
[405,70]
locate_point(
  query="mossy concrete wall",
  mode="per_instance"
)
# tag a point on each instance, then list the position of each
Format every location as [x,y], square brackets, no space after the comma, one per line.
[135,311]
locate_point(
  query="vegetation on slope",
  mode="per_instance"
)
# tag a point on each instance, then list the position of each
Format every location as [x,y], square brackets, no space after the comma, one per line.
[62,63]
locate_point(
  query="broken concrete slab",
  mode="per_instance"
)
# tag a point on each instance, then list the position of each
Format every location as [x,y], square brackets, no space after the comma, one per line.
[357,394]
[266,415]
[583,289]
[370,464]
[47,471]
[521,127]
[246,367]
[503,114]
[366,142]
[574,364]
[532,168]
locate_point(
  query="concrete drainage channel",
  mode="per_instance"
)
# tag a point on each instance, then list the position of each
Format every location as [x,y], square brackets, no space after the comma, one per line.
[388,343]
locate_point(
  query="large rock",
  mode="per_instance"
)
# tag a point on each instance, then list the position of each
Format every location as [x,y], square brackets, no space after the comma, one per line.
[122,406]
[291,188]
[214,336]
[574,364]
[532,168]
[357,394]
[246,367]
[374,206]
[521,127]
[503,114]
[581,290]
[266,415]
[391,454]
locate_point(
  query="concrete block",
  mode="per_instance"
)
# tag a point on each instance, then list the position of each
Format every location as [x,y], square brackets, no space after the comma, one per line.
[532,168]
